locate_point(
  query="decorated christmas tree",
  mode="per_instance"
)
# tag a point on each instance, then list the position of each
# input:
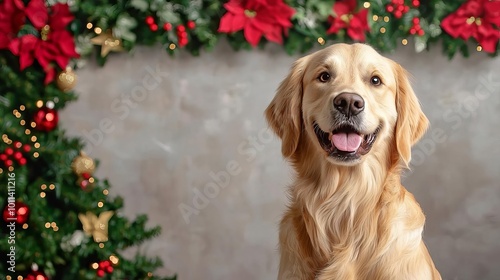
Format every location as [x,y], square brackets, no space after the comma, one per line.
[59,221]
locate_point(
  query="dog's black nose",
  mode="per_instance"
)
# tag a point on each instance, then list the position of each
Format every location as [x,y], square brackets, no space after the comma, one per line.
[349,104]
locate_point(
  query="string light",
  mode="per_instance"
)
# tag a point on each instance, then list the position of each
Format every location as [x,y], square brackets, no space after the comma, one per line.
[97,30]
[25,226]
[11,168]
[27,131]
[100,204]
[479,48]
[89,25]
[22,107]
[375,17]
[105,192]
[52,187]
[386,19]
[36,154]
[47,225]
[43,186]
[1,170]
[22,122]
[42,194]
[172,46]
[36,145]
[101,245]
[366,5]
[33,124]
[382,30]
[321,41]
[33,138]
[95,265]
[39,103]
[404,42]
[113,259]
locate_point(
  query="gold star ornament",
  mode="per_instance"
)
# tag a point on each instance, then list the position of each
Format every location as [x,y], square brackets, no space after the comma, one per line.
[107,42]
[96,227]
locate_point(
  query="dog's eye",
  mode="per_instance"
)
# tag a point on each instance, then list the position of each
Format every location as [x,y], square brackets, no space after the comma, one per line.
[376,81]
[324,77]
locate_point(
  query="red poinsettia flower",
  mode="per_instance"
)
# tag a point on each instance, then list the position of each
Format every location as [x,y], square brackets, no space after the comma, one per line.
[346,18]
[257,18]
[479,19]
[55,43]
[11,19]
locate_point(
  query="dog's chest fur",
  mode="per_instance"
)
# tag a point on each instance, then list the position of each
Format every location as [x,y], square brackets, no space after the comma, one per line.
[337,224]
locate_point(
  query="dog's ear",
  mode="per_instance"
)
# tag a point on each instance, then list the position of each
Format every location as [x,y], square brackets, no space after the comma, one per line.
[284,112]
[411,123]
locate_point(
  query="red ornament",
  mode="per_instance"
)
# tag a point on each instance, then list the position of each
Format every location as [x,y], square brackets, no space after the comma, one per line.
[181,29]
[55,44]
[153,27]
[167,26]
[356,23]
[9,151]
[479,19]
[26,148]
[191,24]
[100,273]
[22,161]
[16,212]
[150,20]
[46,119]
[257,18]
[36,275]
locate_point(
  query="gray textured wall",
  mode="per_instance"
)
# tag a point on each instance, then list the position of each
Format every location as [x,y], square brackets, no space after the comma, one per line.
[164,134]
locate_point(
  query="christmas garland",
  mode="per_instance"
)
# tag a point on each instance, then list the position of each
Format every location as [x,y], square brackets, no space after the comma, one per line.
[41,42]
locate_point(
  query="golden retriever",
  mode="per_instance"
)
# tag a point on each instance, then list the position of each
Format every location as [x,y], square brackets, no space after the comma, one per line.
[347,118]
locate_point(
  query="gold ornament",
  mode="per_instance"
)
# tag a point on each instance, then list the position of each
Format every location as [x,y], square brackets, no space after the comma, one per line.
[107,42]
[66,80]
[96,227]
[83,164]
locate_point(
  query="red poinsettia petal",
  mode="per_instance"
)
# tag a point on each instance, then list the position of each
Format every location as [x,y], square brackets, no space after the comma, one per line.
[492,12]
[234,7]
[239,22]
[226,23]
[362,17]
[449,25]
[252,34]
[60,16]
[274,35]
[337,24]
[488,37]
[50,74]
[65,42]
[37,13]
[24,47]
[341,8]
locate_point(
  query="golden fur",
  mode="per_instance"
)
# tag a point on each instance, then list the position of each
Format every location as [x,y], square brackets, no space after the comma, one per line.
[350,220]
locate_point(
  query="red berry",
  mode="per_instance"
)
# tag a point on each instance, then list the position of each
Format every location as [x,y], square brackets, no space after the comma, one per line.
[107,263]
[9,151]
[18,155]
[401,8]
[406,9]
[183,41]
[8,163]
[153,27]
[181,28]
[102,265]
[86,175]
[416,3]
[398,14]
[109,269]
[182,34]
[100,273]
[26,148]
[17,144]
[22,161]
[150,20]
[421,32]
[3,157]
[416,20]
[84,184]
[389,8]
[167,26]
[191,24]
[413,31]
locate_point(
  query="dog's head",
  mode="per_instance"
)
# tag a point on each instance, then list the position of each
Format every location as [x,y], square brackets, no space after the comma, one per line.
[347,100]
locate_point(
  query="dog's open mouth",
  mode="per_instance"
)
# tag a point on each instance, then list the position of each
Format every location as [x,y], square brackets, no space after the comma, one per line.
[345,142]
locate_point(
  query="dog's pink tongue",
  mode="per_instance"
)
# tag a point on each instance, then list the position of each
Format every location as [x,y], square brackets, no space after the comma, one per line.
[347,142]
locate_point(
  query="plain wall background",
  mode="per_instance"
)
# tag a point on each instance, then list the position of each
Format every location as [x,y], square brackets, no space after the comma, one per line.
[204,113]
